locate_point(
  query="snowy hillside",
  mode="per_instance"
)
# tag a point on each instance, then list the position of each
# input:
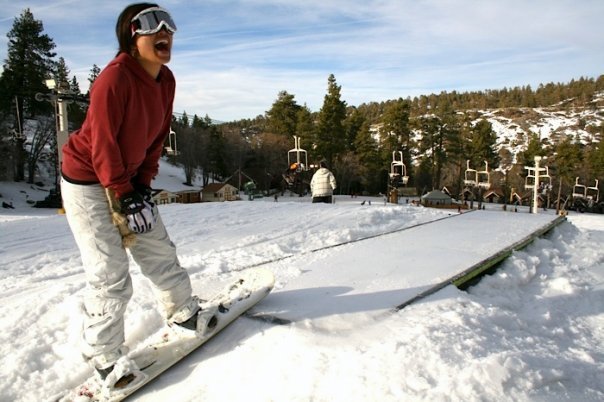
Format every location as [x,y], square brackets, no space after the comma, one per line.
[513,126]
[531,332]
[550,124]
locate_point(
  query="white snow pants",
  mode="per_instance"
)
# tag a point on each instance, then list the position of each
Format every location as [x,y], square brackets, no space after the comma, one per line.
[109,287]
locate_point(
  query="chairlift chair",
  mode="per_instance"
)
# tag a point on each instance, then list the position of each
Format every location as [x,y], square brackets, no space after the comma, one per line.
[171,148]
[398,170]
[593,193]
[470,175]
[297,157]
[529,180]
[579,190]
[297,166]
[545,180]
[484,177]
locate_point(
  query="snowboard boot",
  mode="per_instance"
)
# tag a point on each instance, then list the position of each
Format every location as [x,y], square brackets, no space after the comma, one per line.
[191,323]
[196,316]
[104,372]
[122,382]
[104,364]
[121,375]
[203,321]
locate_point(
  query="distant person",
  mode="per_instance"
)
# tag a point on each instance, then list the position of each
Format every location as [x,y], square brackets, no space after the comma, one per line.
[108,165]
[322,184]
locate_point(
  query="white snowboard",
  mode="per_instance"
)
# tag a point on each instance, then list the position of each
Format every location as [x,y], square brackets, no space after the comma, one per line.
[245,290]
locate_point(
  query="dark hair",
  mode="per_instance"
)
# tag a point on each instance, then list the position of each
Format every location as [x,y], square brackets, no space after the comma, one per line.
[123,28]
[323,164]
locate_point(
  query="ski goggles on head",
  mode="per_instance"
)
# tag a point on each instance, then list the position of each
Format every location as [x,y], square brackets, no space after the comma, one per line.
[152,20]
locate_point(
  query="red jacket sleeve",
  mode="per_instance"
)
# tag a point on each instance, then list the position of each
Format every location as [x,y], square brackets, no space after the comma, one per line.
[150,166]
[108,104]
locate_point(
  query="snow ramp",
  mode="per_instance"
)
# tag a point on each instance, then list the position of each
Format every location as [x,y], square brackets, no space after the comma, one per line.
[345,286]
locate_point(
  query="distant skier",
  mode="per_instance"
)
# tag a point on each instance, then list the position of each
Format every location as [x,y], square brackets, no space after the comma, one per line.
[107,169]
[322,184]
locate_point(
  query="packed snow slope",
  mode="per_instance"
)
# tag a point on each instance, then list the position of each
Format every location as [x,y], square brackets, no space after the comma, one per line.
[533,331]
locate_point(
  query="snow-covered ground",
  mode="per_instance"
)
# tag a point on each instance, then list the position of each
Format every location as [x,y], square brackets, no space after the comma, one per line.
[534,331]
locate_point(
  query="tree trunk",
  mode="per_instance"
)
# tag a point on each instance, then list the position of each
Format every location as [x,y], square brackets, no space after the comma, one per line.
[19,160]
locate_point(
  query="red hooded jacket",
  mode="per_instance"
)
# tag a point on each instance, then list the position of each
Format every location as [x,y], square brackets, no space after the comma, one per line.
[123,134]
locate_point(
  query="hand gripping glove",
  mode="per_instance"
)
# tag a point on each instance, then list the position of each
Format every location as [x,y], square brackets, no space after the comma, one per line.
[139,212]
[146,192]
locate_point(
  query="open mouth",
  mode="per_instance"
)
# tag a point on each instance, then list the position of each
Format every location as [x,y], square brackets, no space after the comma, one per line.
[162,45]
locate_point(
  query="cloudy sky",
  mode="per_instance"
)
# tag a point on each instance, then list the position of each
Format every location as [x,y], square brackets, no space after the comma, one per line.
[231,58]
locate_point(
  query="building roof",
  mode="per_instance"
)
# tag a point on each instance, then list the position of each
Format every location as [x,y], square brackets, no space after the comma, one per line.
[214,187]
[436,195]
[496,193]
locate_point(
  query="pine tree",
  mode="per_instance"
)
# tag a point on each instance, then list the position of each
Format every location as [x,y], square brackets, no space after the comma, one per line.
[74,86]
[453,163]
[482,145]
[396,125]
[305,128]
[430,148]
[353,124]
[61,74]
[77,110]
[28,65]
[282,117]
[94,73]
[217,154]
[185,147]
[533,149]
[567,160]
[331,134]
[372,173]
[596,159]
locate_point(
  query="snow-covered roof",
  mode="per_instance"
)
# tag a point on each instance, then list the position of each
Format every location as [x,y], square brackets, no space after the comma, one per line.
[436,195]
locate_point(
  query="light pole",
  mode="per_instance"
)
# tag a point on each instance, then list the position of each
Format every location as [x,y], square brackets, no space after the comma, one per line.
[536,189]
[506,187]
[56,98]
[470,180]
[59,97]
[536,175]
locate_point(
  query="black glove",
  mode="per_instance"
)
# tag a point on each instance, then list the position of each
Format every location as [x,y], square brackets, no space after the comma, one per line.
[139,212]
[145,191]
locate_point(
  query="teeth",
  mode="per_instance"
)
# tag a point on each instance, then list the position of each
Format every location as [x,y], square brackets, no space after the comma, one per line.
[162,45]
